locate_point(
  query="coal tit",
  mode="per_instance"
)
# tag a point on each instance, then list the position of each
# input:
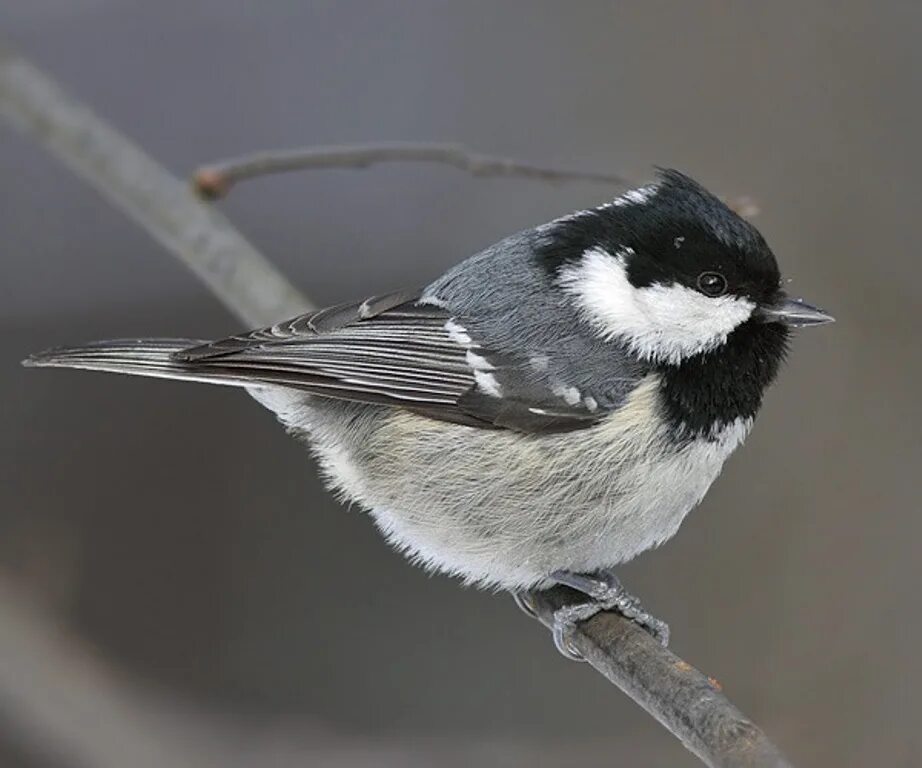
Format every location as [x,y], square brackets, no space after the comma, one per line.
[545,410]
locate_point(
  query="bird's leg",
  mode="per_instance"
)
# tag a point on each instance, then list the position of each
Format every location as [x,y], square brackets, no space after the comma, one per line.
[606,593]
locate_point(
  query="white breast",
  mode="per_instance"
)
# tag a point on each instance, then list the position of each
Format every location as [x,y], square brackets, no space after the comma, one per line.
[505,509]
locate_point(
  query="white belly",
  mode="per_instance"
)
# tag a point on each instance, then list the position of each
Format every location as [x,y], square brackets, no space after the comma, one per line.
[504,509]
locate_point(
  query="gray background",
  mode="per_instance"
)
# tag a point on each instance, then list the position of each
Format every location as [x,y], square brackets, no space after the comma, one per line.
[183,535]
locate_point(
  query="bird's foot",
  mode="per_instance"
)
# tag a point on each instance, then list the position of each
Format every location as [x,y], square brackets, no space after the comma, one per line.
[607,594]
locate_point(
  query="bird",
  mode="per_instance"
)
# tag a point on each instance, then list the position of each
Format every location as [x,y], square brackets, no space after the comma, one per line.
[542,412]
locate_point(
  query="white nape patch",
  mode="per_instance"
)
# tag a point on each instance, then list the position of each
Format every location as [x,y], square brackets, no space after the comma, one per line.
[661,323]
[635,196]
[590,402]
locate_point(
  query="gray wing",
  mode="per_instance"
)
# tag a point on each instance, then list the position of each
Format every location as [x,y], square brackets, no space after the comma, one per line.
[396,351]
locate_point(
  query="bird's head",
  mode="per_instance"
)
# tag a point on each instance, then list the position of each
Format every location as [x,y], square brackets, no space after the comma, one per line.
[668,269]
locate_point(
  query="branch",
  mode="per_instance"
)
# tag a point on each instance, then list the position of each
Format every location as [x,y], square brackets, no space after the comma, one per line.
[215,180]
[201,237]
[682,699]
[688,704]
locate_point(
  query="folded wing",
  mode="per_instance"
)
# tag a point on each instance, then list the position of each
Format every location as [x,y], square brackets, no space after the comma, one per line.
[389,350]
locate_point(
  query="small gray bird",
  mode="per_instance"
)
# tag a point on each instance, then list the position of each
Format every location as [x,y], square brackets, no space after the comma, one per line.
[547,409]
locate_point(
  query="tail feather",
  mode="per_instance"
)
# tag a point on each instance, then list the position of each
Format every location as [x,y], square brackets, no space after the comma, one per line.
[138,357]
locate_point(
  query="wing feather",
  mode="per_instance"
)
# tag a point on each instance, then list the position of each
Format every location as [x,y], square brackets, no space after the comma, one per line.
[393,349]
[389,350]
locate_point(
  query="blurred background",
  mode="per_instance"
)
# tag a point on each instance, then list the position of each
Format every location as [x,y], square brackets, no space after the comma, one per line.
[180,545]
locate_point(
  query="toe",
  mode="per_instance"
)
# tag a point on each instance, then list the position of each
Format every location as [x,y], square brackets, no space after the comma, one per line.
[526,603]
[563,639]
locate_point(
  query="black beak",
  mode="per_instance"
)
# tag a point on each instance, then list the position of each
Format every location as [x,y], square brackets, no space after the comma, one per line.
[793,312]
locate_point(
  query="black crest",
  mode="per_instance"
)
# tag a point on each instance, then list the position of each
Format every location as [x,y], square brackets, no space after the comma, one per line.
[673,232]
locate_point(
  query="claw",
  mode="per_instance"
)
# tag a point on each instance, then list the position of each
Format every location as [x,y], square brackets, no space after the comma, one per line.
[565,620]
[562,640]
[658,628]
[526,603]
[561,629]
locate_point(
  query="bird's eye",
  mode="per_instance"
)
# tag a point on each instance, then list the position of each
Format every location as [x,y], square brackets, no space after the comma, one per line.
[712,283]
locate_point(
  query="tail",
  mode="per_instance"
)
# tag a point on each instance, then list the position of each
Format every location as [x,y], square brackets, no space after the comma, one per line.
[137,357]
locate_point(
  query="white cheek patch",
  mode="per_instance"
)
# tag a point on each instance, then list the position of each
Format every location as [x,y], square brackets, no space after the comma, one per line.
[660,323]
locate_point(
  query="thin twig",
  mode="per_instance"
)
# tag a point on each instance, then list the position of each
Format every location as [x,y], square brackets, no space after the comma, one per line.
[682,699]
[216,179]
[232,269]
[687,703]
